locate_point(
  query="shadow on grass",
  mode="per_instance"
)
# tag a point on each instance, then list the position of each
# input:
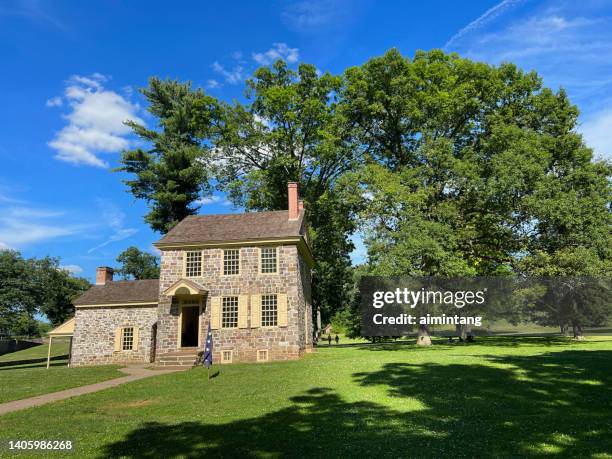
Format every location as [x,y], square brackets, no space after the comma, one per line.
[555,403]
[32,363]
[501,341]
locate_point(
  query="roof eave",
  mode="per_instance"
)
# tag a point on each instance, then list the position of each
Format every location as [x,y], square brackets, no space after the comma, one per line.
[172,245]
[118,304]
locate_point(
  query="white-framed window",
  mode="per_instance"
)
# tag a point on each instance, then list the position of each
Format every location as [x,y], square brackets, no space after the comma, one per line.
[231,262]
[269,310]
[226,356]
[268,260]
[127,338]
[193,263]
[229,312]
[262,355]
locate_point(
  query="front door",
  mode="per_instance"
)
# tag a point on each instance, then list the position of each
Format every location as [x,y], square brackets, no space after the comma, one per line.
[190,325]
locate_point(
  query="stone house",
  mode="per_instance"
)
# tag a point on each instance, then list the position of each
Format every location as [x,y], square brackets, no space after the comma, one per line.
[248,275]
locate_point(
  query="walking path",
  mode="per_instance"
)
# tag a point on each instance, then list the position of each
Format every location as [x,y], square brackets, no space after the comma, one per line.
[134,373]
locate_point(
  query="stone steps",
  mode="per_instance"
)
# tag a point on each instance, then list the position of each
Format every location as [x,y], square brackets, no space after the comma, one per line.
[182,358]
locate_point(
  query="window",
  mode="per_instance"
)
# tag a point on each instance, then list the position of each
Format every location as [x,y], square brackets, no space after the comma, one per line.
[262,355]
[127,339]
[231,262]
[229,312]
[226,356]
[268,260]
[269,310]
[193,264]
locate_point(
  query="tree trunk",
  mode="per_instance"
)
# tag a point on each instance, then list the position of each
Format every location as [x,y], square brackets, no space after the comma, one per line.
[577,331]
[461,331]
[423,338]
[563,328]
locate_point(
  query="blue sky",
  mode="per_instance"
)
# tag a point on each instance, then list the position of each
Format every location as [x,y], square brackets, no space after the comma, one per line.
[71,70]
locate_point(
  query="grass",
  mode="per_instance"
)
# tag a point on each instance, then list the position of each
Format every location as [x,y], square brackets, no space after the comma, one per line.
[24,374]
[499,397]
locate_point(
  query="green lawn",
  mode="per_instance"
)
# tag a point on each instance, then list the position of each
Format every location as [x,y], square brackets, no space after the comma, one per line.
[24,374]
[499,397]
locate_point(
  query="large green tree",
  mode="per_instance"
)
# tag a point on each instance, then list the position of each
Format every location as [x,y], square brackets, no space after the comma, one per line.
[173,172]
[19,294]
[30,286]
[290,130]
[59,289]
[469,168]
[136,264]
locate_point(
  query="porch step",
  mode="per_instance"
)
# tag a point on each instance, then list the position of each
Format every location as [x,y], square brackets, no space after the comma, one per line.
[182,358]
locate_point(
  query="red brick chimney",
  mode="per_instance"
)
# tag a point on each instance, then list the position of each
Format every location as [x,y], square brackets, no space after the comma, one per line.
[292,193]
[104,274]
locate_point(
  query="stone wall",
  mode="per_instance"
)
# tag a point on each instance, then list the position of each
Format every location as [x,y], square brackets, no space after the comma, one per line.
[281,342]
[94,334]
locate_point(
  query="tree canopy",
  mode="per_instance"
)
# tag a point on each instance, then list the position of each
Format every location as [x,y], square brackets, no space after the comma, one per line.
[30,286]
[136,264]
[447,166]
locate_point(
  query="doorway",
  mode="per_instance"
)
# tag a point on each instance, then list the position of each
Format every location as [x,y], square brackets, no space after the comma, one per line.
[190,325]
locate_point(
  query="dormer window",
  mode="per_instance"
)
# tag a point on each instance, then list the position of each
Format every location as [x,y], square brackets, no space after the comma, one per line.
[193,264]
[231,262]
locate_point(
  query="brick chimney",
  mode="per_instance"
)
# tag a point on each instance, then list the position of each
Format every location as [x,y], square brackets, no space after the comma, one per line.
[300,206]
[104,274]
[292,193]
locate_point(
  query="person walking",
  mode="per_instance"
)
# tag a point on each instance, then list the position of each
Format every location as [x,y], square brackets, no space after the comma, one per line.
[337,339]
[329,340]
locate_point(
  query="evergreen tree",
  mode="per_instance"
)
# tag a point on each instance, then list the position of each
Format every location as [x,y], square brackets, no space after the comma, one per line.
[173,174]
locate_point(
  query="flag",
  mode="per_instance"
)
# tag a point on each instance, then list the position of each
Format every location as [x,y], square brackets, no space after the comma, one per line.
[208,349]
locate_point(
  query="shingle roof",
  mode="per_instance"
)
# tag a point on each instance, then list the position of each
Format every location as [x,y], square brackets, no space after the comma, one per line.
[233,228]
[124,292]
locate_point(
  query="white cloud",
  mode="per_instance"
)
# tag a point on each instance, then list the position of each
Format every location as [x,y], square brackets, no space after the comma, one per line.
[114,218]
[74,269]
[278,51]
[596,131]
[17,230]
[95,123]
[213,200]
[213,84]
[3,246]
[54,102]
[234,76]
[309,15]
[488,16]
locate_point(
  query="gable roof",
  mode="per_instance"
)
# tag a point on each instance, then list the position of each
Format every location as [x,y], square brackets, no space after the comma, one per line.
[249,226]
[65,329]
[121,292]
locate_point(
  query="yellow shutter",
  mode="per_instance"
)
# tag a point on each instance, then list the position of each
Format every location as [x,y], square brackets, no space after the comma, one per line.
[281,304]
[242,311]
[215,312]
[118,333]
[255,311]
[135,346]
